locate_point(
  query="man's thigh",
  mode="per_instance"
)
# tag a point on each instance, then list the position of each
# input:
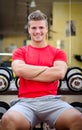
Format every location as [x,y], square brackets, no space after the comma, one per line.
[53,110]
[14,120]
[46,108]
[66,119]
[25,110]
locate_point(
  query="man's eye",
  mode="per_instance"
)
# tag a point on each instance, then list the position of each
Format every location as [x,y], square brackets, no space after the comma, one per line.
[33,27]
[41,27]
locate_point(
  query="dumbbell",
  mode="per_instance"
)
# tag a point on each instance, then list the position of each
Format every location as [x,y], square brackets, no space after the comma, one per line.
[74,79]
[6,71]
[62,84]
[4,83]
[3,108]
[5,77]
[17,82]
[77,105]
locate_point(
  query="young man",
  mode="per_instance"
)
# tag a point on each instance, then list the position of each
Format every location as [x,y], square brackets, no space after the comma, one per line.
[39,67]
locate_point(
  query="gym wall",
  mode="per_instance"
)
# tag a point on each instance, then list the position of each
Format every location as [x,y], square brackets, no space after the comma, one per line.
[63,12]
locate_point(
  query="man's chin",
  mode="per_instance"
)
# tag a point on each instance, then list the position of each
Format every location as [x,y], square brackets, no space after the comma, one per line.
[38,41]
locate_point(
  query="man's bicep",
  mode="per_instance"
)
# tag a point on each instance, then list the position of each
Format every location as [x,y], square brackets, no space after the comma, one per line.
[16,64]
[59,63]
[62,65]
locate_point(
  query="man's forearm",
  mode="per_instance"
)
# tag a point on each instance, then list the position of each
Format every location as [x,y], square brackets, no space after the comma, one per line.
[49,75]
[32,71]
[39,73]
[27,71]
[56,72]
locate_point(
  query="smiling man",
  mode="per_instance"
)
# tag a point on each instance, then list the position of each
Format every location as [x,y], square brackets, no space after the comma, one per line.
[40,67]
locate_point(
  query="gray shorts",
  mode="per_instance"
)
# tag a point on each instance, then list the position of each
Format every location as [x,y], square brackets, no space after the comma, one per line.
[42,109]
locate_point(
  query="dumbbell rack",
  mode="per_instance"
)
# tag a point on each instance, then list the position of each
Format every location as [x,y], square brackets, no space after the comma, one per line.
[60,92]
[65,92]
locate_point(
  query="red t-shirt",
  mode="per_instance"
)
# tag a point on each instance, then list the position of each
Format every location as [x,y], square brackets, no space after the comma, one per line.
[38,56]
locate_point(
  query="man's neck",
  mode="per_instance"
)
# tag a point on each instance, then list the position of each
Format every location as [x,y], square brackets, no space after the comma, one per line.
[39,44]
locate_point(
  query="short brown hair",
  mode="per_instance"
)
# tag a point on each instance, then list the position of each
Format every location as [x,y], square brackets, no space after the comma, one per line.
[36,16]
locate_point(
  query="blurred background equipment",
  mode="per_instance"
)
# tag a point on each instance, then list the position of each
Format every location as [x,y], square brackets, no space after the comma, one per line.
[77,105]
[74,79]
[3,108]
[4,83]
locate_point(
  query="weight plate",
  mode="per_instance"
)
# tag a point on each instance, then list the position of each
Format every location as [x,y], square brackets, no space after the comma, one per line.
[74,82]
[4,83]
[59,84]
[11,73]
[17,82]
[6,71]
[73,70]
[77,105]
[3,108]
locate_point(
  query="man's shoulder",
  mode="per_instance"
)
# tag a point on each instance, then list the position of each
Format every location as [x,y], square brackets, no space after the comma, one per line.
[52,47]
[56,50]
[22,48]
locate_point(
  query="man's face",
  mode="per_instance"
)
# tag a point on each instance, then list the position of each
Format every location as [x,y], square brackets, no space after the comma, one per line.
[38,30]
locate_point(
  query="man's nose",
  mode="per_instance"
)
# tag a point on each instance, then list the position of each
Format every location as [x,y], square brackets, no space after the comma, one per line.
[37,30]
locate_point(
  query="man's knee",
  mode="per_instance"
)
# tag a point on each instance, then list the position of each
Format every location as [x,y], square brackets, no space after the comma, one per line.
[8,121]
[71,119]
[13,120]
[5,121]
[77,122]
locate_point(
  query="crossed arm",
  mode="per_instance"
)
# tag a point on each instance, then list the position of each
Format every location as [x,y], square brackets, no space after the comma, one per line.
[40,73]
